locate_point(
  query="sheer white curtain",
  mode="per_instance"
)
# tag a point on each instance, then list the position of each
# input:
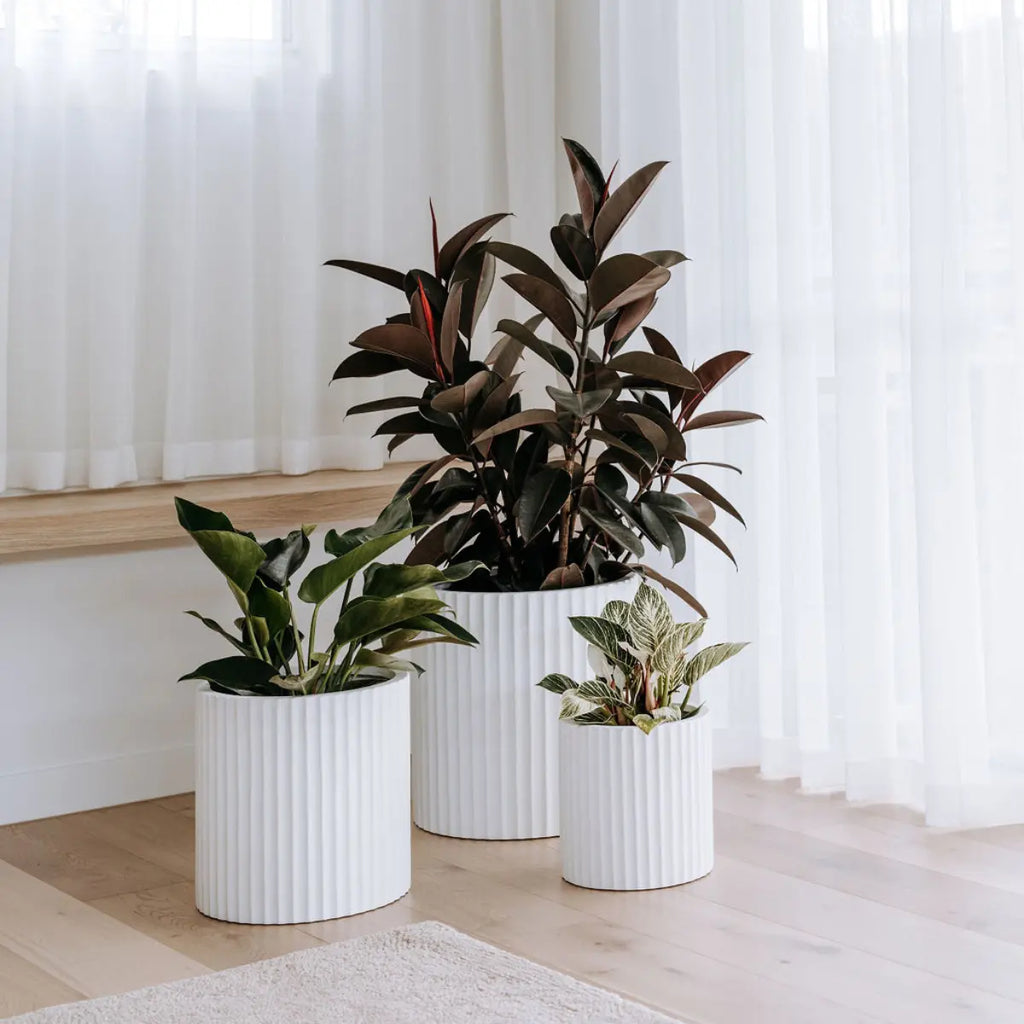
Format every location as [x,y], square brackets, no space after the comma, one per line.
[172,175]
[849,183]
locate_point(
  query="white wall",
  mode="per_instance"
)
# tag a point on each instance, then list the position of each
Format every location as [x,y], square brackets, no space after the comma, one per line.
[92,644]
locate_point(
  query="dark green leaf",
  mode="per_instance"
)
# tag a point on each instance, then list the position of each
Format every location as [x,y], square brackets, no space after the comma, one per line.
[194,517]
[238,557]
[236,642]
[283,557]
[582,405]
[543,496]
[237,674]
[434,623]
[325,579]
[366,616]
[612,528]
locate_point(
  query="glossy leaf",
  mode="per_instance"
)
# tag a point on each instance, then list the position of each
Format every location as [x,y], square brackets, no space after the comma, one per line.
[624,279]
[563,578]
[549,300]
[705,531]
[621,204]
[324,580]
[366,616]
[615,530]
[450,326]
[665,257]
[284,556]
[580,405]
[525,261]
[394,278]
[722,418]
[463,239]
[384,404]
[552,355]
[521,420]
[400,341]
[457,399]
[575,250]
[368,364]
[236,674]
[588,179]
[652,367]
[543,497]
[238,557]
[705,489]
[555,682]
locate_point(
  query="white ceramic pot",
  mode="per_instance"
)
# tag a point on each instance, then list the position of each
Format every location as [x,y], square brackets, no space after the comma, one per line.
[302,804]
[485,736]
[636,809]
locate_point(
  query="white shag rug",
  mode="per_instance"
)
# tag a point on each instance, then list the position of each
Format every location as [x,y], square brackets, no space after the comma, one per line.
[421,974]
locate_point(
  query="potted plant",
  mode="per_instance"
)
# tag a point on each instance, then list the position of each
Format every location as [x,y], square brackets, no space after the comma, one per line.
[302,741]
[559,502]
[635,752]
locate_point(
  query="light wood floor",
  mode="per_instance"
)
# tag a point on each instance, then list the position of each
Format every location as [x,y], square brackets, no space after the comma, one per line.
[816,912]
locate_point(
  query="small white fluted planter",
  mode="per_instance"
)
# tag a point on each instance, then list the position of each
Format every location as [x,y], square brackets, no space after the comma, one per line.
[636,809]
[302,804]
[484,735]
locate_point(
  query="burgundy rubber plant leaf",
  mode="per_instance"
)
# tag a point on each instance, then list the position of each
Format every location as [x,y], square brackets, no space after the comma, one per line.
[433,233]
[428,318]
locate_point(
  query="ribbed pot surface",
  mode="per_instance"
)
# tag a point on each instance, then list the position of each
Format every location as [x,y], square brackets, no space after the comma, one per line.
[636,809]
[302,804]
[485,736]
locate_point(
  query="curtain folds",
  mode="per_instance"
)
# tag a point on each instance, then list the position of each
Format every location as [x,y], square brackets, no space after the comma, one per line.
[174,172]
[849,183]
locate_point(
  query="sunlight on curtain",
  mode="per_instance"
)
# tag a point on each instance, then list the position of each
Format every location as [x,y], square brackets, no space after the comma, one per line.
[174,172]
[849,183]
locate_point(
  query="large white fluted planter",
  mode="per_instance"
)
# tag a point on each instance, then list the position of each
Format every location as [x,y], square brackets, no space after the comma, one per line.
[636,809]
[302,804]
[484,735]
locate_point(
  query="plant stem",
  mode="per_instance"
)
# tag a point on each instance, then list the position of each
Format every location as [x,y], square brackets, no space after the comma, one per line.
[295,634]
[570,509]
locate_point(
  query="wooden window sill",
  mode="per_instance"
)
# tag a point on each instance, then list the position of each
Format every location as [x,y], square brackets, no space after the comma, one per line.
[34,524]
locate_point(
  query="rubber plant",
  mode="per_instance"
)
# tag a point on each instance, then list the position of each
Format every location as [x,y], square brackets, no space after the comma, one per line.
[398,608]
[570,493]
[643,673]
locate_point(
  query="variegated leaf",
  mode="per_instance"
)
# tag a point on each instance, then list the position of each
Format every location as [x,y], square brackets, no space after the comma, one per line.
[704,661]
[645,723]
[602,633]
[617,611]
[598,691]
[556,682]
[649,619]
[668,713]
[573,705]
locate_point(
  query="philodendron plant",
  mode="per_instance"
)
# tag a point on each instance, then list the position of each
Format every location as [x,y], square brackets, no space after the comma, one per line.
[571,493]
[643,673]
[397,610]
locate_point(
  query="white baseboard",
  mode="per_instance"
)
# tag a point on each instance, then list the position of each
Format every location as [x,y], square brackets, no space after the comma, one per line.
[66,788]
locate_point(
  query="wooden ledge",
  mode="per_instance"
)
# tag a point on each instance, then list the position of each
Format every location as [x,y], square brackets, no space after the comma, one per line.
[144,513]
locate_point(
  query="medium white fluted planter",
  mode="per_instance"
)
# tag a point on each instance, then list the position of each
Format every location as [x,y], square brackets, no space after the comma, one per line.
[636,809]
[302,804]
[484,735]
